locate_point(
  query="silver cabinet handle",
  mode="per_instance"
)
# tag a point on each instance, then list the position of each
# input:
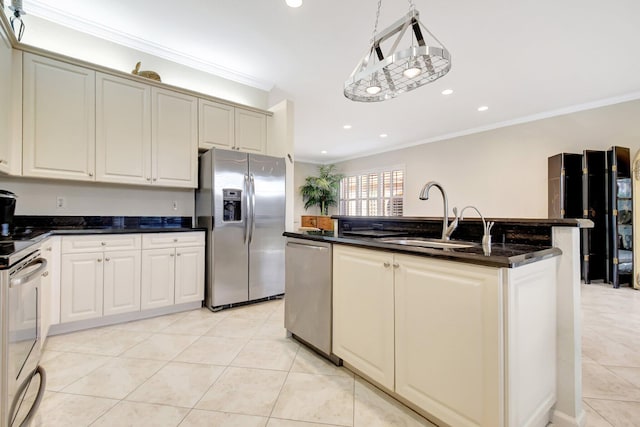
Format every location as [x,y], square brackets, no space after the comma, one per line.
[387,264]
[396,265]
[155,179]
[148,178]
[172,255]
[178,254]
[175,240]
[49,249]
[45,274]
[99,259]
[305,246]
[103,243]
[90,173]
[107,259]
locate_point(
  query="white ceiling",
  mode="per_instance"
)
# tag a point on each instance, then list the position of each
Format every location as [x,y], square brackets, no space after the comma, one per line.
[523,59]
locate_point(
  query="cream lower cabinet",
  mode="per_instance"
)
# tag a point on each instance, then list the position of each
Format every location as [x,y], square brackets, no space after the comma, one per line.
[158,275]
[172,269]
[81,286]
[100,276]
[448,339]
[50,286]
[363,311]
[467,345]
[121,287]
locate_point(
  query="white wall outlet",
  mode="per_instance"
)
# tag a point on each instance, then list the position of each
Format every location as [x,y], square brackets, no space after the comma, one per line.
[174,205]
[60,202]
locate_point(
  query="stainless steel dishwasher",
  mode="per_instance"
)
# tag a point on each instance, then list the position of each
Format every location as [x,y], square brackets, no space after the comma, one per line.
[308,293]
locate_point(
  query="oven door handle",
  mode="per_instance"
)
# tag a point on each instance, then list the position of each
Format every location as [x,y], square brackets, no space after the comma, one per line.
[26,278]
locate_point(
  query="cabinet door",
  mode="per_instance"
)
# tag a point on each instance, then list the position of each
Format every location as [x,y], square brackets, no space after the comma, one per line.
[123,130]
[216,125]
[189,274]
[448,339]
[59,120]
[10,107]
[50,286]
[363,311]
[158,269]
[174,119]
[81,286]
[251,131]
[121,282]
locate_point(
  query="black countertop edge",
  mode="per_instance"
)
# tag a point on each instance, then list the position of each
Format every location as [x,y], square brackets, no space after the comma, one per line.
[554,222]
[502,255]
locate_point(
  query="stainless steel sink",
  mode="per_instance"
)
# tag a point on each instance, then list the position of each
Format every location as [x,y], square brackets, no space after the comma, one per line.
[427,243]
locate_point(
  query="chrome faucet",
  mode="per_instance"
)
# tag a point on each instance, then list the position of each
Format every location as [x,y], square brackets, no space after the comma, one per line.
[486,227]
[424,195]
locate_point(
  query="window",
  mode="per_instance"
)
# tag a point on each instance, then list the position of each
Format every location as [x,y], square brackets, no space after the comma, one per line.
[373,193]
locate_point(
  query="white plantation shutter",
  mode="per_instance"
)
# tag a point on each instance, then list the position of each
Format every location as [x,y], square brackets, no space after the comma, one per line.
[373,194]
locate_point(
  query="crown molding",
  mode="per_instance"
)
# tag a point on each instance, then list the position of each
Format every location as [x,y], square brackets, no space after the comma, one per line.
[44,11]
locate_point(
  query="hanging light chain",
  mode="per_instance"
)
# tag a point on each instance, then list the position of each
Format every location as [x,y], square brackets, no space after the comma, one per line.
[375,28]
[412,6]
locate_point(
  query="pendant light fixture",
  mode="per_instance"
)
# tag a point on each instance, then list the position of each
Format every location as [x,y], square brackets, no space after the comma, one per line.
[380,76]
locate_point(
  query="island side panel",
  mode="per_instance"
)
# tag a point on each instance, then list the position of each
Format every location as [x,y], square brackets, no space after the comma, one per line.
[569,411]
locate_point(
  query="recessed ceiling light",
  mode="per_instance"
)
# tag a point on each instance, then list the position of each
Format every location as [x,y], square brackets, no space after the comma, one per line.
[483,108]
[294,3]
[447,91]
[323,152]
[383,135]
[347,126]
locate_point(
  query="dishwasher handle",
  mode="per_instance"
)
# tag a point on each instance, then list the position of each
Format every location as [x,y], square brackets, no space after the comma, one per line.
[21,280]
[302,245]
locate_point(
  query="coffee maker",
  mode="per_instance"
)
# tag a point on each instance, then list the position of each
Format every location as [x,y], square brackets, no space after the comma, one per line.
[7,209]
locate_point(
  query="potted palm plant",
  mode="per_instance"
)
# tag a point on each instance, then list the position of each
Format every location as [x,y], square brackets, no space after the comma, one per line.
[322,190]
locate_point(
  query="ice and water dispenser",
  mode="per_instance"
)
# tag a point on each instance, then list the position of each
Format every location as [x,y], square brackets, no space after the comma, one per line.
[232,204]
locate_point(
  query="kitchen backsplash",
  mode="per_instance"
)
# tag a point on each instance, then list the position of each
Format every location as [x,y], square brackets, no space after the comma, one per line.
[44,197]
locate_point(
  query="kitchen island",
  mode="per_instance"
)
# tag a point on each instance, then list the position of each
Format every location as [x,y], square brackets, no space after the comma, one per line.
[464,336]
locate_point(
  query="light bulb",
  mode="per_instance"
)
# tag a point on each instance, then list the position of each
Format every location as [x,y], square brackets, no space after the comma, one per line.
[373,89]
[294,3]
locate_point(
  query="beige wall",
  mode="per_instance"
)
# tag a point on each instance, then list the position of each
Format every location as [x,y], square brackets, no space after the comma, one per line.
[504,171]
[38,197]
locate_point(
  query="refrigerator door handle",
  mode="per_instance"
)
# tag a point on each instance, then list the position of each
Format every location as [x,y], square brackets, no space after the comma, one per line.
[252,194]
[245,219]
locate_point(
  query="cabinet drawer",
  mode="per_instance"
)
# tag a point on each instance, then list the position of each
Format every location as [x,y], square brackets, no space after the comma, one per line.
[172,240]
[109,242]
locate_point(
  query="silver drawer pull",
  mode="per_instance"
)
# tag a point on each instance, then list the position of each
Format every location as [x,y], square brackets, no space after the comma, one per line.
[396,265]
[103,243]
[99,260]
[387,264]
[107,259]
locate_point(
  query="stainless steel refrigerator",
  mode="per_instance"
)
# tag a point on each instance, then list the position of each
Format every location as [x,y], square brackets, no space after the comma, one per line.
[241,202]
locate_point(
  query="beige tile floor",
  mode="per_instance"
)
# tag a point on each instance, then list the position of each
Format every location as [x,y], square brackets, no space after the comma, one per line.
[238,368]
[232,368]
[611,355]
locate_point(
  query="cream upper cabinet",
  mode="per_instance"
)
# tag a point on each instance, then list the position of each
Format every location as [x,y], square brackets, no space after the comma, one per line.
[58,119]
[123,130]
[363,311]
[251,131]
[174,151]
[448,339]
[10,107]
[215,125]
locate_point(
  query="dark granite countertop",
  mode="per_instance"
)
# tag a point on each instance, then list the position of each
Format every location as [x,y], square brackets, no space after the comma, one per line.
[32,230]
[502,254]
